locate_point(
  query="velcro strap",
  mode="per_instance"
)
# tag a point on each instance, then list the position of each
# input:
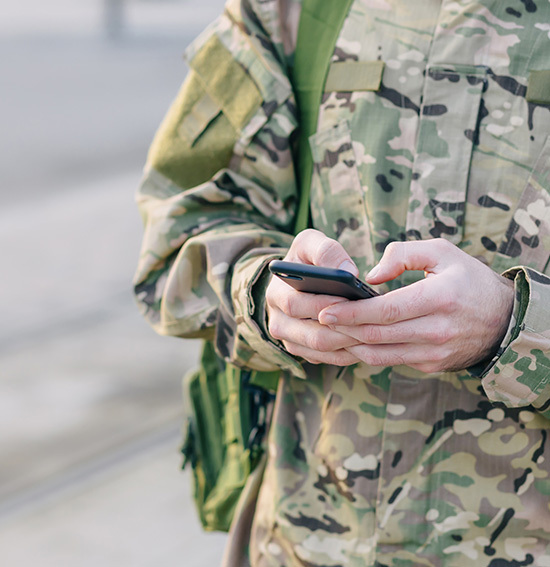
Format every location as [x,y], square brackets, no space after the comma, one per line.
[538,87]
[202,113]
[345,76]
[227,82]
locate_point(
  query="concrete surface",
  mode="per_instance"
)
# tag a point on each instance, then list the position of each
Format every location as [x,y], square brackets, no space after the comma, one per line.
[136,516]
[90,407]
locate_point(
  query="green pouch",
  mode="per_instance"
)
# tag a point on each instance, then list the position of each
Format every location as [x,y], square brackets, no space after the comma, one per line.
[226,410]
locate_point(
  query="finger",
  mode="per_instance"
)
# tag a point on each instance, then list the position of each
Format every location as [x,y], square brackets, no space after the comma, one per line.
[422,331]
[339,357]
[313,247]
[307,333]
[426,358]
[428,255]
[297,304]
[403,304]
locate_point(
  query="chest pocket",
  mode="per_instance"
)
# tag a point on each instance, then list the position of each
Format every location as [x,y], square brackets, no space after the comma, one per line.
[447,132]
[527,240]
[337,198]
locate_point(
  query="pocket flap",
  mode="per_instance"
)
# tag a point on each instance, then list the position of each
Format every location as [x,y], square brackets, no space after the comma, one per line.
[527,239]
[447,133]
[338,205]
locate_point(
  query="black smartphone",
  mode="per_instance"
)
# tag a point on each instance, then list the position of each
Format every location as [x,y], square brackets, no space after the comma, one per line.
[328,281]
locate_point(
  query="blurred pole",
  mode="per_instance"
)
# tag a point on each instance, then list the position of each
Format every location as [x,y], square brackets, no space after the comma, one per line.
[113,16]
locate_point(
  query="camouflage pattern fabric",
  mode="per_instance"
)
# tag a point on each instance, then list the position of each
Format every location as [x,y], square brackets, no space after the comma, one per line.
[370,466]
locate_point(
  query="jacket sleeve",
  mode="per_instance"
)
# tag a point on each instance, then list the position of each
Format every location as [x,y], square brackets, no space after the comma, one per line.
[218,196]
[519,375]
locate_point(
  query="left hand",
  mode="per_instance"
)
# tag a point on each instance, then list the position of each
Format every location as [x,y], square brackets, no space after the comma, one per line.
[455,317]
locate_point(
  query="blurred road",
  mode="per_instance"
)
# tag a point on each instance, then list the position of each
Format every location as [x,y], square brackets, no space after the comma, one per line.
[90,407]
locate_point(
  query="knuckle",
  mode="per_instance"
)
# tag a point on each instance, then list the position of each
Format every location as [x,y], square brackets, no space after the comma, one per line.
[390,311]
[393,250]
[326,249]
[308,357]
[286,305]
[274,329]
[301,240]
[434,361]
[318,343]
[339,358]
[292,348]
[397,360]
[271,294]
[392,247]
[446,301]
[307,233]
[437,357]
[312,342]
[351,316]
[374,359]
[304,237]
[436,338]
[441,334]
[443,244]
[426,367]
[448,333]
[371,334]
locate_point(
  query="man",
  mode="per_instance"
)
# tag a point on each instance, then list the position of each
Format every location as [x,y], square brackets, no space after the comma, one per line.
[409,429]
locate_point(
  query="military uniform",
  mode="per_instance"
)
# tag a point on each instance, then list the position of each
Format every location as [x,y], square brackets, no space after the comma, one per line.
[435,123]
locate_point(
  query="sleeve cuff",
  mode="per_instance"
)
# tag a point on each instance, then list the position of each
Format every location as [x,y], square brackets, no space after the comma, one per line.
[519,374]
[480,369]
[249,283]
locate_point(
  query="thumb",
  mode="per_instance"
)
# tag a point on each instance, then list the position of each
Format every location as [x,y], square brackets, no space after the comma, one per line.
[428,255]
[313,247]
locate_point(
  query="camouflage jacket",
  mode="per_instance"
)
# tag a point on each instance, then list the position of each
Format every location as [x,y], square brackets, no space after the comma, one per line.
[435,123]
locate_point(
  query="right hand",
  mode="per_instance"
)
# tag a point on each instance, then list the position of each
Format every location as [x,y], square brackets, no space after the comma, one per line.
[292,315]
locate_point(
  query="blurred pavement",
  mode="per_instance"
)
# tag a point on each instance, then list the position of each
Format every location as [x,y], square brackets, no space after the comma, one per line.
[90,409]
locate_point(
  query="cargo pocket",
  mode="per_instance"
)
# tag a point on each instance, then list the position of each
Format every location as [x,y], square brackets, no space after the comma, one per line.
[527,240]
[447,133]
[216,103]
[337,198]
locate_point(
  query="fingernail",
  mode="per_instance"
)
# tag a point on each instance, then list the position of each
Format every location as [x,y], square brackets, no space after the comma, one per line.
[329,319]
[348,266]
[374,271]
